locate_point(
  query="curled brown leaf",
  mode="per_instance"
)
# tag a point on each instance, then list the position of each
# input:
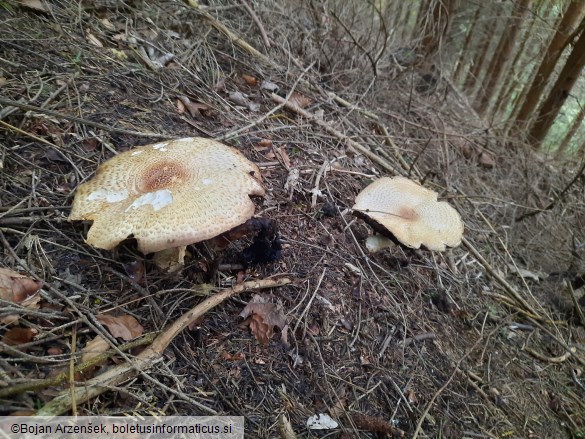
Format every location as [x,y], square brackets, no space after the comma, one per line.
[19,336]
[125,327]
[15,287]
[262,317]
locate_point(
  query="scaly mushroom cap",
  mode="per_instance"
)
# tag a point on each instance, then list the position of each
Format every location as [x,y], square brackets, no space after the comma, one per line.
[411,213]
[168,194]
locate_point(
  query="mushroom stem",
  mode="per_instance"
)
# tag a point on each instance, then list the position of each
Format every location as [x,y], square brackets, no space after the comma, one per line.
[375,243]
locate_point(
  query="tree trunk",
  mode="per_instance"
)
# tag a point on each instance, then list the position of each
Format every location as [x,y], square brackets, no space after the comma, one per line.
[464,51]
[526,74]
[511,79]
[488,30]
[502,54]
[570,133]
[476,67]
[559,93]
[436,26]
[559,41]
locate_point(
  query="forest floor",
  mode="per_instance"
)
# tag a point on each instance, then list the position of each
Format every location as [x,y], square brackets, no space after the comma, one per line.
[481,341]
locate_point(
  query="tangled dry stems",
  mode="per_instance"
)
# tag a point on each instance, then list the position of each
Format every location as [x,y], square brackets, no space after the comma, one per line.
[424,340]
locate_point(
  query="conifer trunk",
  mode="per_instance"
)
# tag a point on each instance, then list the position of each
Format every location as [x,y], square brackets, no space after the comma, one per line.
[502,54]
[511,81]
[559,41]
[465,50]
[476,68]
[559,93]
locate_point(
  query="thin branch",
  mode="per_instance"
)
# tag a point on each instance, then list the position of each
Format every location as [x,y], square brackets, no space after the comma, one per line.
[258,23]
[351,143]
[557,199]
[151,355]
[80,120]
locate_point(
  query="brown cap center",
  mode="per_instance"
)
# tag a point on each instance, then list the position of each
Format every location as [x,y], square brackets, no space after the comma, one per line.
[162,175]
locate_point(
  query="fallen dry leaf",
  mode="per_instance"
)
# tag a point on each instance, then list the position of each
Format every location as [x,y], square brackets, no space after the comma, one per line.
[229,357]
[15,287]
[125,327]
[53,350]
[180,107]
[265,143]
[92,39]
[107,24]
[412,399]
[94,348]
[486,160]
[120,37]
[300,100]
[239,98]
[250,80]
[242,100]
[269,86]
[19,336]
[284,157]
[262,317]
[466,150]
[195,109]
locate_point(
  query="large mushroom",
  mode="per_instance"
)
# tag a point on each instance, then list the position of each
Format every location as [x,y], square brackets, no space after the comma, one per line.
[405,212]
[168,195]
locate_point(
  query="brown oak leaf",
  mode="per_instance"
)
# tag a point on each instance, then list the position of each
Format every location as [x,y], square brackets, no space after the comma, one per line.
[262,317]
[15,287]
[125,327]
[18,336]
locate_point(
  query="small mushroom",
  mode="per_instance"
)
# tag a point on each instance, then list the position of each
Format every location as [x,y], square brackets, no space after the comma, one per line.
[405,212]
[168,195]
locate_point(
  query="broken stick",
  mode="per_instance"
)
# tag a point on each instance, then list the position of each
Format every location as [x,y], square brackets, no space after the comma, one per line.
[147,358]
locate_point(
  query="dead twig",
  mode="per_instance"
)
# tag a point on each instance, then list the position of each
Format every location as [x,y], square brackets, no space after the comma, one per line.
[559,359]
[267,115]
[258,23]
[80,120]
[234,38]
[443,387]
[65,375]
[498,278]
[559,197]
[576,305]
[330,130]
[153,353]
[420,337]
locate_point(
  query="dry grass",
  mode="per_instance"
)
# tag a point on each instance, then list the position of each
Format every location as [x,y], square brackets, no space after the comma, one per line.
[428,342]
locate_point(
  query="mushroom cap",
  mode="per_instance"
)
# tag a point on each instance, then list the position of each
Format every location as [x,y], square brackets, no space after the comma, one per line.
[168,194]
[411,213]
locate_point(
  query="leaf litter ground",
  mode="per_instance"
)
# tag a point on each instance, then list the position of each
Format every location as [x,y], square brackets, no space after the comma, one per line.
[428,344]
